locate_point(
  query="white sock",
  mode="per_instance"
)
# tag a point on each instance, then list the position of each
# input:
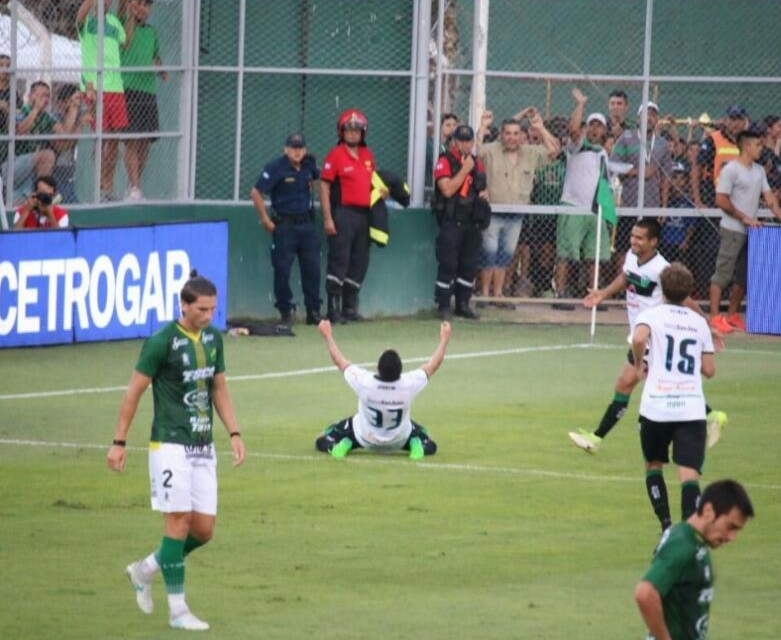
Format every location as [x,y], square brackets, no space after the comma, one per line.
[177,605]
[148,567]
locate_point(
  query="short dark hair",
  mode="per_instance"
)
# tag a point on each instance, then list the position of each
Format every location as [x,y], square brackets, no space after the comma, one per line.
[724,496]
[743,136]
[447,116]
[47,180]
[619,93]
[197,286]
[389,366]
[771,120]
[38,83]
[65,92]
[677,282]
[509,122]
[651,226]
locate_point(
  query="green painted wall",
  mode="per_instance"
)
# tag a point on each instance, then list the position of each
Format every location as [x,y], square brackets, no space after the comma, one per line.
[400,279]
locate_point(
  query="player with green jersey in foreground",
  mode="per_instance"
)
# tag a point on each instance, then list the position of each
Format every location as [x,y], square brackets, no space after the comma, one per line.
[675,594]
[184,362]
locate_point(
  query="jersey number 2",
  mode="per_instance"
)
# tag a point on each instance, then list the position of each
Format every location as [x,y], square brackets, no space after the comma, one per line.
[686,361]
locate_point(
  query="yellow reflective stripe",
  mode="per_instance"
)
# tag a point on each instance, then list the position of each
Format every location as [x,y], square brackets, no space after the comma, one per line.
[154,446]
[377,185]
[378,236]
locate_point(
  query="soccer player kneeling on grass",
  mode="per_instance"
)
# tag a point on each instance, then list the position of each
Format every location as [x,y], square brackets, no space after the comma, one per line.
[184,363]
[672,408]
[384,399]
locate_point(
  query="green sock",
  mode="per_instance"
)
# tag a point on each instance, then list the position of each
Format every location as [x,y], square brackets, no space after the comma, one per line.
[191,544]
[172,564]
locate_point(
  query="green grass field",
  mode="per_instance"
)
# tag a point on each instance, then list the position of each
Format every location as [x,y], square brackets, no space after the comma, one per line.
[509,532]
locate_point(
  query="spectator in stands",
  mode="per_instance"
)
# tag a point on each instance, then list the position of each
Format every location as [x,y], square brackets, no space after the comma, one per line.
[677,231]
[141,49]
[586,159]
[39,210]
[34,158]
[114,108]
[771,153]
[5,103]
[743,182]
[617,109]
[656,172]
[447,124]
[510,168]
[69,119]
[716,150]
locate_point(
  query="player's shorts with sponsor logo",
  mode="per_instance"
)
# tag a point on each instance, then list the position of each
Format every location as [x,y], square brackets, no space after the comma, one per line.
[183,477]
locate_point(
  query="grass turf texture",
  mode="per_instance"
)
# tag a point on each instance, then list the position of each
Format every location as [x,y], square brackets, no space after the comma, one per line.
[508,532]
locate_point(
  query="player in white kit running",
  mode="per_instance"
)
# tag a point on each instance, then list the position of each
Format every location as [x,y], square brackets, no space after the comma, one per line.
[384,399]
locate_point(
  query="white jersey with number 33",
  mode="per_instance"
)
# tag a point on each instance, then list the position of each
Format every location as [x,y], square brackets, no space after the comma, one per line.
[383,418]
[673,389]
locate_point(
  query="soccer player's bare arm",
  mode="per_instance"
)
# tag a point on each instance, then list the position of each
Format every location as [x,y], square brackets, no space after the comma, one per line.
[127,411]
[708,366]
[224,404]
[639,340]
[333,349]
[650,604]
[445,331]
[595,296]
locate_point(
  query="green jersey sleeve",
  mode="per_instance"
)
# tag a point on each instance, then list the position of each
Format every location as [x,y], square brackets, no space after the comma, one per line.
[667,566]
[219,365]
[153,355]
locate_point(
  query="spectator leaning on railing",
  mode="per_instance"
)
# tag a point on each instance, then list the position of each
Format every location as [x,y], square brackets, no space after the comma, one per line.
[5,104]
[69,120]
[39,210]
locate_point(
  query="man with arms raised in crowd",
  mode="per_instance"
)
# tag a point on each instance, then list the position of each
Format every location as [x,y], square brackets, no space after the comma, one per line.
[675,594]
[185,364]
[640,277]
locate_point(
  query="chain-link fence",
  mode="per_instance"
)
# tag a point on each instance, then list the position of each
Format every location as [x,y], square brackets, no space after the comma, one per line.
[706,68]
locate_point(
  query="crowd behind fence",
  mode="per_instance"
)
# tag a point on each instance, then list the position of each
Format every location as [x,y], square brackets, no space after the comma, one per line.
[212,88]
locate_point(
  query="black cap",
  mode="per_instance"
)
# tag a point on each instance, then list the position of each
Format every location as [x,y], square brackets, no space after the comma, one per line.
[736,111]
[463,132]
[295,141]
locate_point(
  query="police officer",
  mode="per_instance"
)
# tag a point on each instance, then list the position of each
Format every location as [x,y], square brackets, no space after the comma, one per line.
[461,207]
[345,197]
[288,180]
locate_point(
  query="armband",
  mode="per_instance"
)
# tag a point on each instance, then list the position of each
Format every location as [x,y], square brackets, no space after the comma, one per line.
[235,434]
[119,443]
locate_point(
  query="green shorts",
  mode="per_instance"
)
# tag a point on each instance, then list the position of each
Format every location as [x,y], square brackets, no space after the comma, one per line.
[576,238]
[731,262]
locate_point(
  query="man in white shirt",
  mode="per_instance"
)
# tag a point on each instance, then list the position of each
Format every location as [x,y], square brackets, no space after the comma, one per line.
[679,351]
[741,184]
[384,400]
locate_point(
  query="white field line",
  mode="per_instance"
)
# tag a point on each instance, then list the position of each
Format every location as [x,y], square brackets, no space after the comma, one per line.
[380,460]
[304,372]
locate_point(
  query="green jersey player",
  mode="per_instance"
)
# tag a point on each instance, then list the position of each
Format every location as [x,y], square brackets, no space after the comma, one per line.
[675,594]
[184,362]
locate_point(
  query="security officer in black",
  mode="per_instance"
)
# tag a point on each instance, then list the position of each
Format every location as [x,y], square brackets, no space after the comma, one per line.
[462,210]
[288,180]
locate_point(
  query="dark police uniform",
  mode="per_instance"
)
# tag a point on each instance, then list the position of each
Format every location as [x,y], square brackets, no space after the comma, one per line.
[460,235]
[348,250]
[295,233]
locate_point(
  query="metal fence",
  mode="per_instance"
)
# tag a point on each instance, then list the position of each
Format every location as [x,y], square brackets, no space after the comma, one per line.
[231,78]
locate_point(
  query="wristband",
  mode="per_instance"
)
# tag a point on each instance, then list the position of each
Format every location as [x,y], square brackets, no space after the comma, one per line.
[235,434]
[119,443]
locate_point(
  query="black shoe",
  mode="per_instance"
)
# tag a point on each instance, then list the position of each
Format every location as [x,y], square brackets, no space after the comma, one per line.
[444,313]
[465,312]
[286,318]
[335,317]
[313,316]
[351,315]
[563,306]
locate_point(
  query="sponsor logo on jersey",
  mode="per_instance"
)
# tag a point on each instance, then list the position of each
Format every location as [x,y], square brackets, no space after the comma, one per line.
[185,360]
[198,398]
[701,626]
[207,337]
[179,342]
[640,285]
[200,423]
[193,375]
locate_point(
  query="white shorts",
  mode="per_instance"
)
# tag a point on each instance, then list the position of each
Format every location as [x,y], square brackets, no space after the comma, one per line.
[183,478]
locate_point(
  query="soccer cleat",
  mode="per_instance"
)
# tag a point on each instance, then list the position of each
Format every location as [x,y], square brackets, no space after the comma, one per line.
[586,440]
[736,322]
[715,421]
[188,622]
[342,448]
[142,588]
[416,451]
[721,325]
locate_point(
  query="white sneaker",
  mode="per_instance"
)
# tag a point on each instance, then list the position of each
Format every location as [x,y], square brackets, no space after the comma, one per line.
[134,194]
[142,588]
[189,622]
[585,440]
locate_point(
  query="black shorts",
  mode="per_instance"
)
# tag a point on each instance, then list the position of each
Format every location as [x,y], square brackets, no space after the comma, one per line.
[687,438]
[542,229]
[344,429]
[142,114]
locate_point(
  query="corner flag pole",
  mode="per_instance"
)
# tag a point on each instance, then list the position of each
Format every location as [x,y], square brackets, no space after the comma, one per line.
[595,284]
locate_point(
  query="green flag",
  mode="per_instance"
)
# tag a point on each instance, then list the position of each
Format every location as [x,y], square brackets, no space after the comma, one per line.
[604,199]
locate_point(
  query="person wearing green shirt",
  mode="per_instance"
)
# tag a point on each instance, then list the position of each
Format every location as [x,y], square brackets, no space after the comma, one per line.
[114,109]
[141,49]
[675,594]
[184,363]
